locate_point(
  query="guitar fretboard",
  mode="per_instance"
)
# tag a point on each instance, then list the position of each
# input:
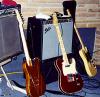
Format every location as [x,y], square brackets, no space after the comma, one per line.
[76,30]
[60,39]
[28,59]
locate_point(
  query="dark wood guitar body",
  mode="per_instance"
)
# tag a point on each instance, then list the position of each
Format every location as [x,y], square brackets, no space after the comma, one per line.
[69,83]
[35,85]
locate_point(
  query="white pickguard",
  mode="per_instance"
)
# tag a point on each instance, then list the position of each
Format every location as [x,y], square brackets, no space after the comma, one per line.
[71,69]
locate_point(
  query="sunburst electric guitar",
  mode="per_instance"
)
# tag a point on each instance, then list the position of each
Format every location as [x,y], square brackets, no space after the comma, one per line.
[90,67]
[35,85]
[69,79]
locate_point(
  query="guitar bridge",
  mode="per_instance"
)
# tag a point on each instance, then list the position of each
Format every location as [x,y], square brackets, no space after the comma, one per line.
[70,78]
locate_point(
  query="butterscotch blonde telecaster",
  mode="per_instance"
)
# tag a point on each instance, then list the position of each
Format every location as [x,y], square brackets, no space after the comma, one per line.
[84,54]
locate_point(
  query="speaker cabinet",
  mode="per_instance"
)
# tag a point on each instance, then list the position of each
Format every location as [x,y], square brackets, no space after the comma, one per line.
[10,42]
[43,43]
[42,37]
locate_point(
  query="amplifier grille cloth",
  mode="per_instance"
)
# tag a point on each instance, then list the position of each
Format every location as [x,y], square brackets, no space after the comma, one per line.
[10,44]
[51,47]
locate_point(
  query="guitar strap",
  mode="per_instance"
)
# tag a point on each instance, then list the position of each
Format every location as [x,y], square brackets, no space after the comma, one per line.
[18,85]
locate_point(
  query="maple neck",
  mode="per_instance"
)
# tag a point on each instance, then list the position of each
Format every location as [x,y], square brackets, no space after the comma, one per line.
[65,57]
[24,45]
[76,30]
[28,59]
[79,37]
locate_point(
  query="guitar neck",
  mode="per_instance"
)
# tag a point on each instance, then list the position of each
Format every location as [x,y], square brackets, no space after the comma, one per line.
[79,37]
[23,37]
[76,30]
[24,44]
[65,57]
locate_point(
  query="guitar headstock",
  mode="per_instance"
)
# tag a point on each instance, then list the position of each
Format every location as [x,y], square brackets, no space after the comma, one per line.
[55,19]
[18,17]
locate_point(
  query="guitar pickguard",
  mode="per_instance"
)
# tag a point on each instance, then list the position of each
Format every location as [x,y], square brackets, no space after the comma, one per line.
[69,69]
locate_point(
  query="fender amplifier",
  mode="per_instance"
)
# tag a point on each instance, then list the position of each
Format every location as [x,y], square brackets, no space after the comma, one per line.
[43,43]
[10,42]
[42,38]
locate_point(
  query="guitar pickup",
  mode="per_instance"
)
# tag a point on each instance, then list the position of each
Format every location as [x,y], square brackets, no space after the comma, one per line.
[70,77]
[67,66]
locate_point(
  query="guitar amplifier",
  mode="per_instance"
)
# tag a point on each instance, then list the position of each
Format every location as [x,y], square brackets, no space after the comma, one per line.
[42,39]
[10,42]
[43,43]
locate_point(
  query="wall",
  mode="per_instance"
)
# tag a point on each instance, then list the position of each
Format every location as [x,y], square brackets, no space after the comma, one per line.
[87,13]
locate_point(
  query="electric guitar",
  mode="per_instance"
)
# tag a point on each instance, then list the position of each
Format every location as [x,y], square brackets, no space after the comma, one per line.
[35,85]
[90,67]
[69,79]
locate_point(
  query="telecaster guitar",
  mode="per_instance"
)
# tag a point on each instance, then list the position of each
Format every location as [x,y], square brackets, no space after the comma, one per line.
[35,85]
[90,67]
[69,79]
